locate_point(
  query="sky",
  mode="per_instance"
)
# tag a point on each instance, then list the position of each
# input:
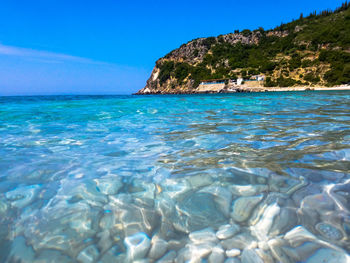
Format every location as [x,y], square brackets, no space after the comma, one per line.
[57,47]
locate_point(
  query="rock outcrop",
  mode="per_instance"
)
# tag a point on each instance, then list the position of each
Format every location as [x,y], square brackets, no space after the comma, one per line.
[192,53]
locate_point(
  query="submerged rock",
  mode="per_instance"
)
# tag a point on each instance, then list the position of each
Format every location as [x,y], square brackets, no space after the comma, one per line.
[141,261]
[265,256]
[137,219]
[22,196]
[194,252]
[168,257]
[240,241]
[233,253]
[301,253]
[107,221]
[248,190]
[222,197]
[3,208]
[89,254]
[20,251]
[144,194]
[104,241]
[176,189]
[165,206]
[243,207]
[319,202]
[329,256]
[199,180]
[227,231]
[158,248]
[178,243]
[329,231]
[262,228]
[284,221]
[64,228]
[298,235]
[217,255]
[87,191]
[276,248]
[113,255]
[167,229]
[232,260]
[286,184]
[52,256]
[203,236]
[137,246]
[299,195]
[108,186]
[250,256]
[196,212]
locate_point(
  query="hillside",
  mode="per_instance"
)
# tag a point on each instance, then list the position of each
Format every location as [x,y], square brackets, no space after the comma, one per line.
[310,51]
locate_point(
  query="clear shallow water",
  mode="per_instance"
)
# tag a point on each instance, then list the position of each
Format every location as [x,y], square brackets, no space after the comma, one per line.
[207,178]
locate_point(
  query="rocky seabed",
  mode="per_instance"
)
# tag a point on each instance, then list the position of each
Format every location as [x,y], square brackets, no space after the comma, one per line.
[201,218]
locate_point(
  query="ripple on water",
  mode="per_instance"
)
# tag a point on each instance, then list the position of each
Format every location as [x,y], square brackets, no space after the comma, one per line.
[208,178]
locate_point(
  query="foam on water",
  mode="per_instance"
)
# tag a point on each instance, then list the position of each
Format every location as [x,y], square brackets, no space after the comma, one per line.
[244,177]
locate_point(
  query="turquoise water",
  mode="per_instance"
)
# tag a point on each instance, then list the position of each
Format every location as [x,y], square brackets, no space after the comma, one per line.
[201,178]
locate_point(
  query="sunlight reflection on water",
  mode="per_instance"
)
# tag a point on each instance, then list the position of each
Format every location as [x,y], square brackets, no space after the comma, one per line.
[175,178]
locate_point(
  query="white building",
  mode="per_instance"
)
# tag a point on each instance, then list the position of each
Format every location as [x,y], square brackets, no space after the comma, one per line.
[261,78]
[239,81]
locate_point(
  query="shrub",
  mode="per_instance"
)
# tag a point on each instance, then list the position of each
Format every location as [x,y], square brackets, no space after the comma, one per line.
[295,62]
[246,32]
[182,70]
[346,71]
[306,63]
[332,76]
[267,66]
[166,69]
[253,72]
[312,78]
[208,42]
[221,39]
[270,83]
[285,82]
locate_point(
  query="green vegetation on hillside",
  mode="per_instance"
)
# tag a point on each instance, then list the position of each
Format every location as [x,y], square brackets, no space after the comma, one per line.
[310,50]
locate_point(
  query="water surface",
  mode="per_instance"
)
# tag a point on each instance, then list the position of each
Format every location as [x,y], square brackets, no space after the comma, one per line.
[201,178]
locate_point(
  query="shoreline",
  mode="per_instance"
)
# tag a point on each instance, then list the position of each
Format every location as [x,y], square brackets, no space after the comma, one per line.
[249,90]
[345,87]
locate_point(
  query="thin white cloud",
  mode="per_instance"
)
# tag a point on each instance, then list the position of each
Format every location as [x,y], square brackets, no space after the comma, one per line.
[49,57]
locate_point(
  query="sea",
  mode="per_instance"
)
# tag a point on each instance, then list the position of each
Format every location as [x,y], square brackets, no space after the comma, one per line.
[245,177]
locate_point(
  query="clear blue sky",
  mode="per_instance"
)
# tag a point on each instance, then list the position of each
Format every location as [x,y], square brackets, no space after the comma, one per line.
[110,46]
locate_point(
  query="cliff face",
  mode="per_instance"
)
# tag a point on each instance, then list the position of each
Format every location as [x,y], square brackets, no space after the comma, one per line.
[191,54]
[309,51]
